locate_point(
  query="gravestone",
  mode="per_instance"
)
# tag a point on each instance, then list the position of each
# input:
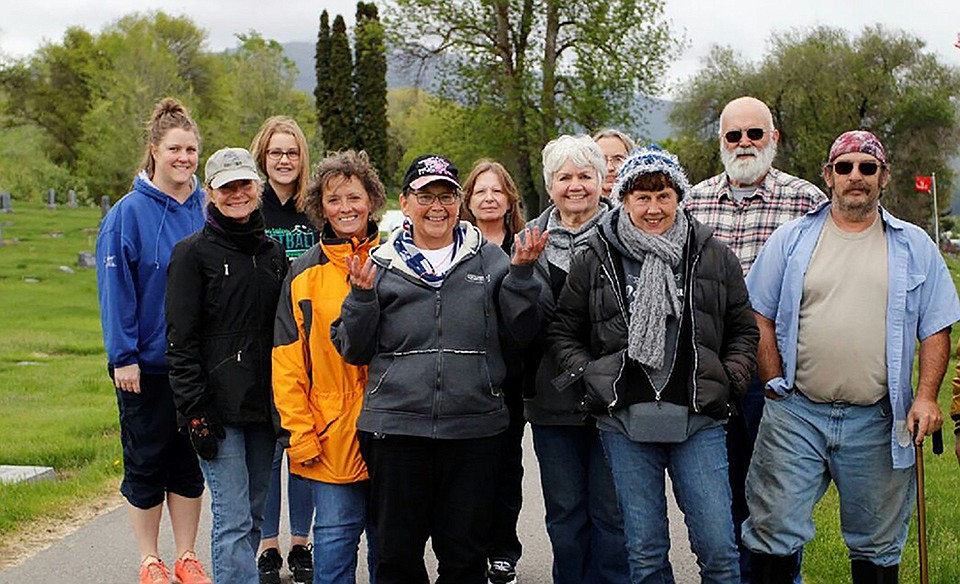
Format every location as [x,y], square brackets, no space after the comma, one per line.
[6,203]
[72,199]
[10,474]
[104,205]
[51,199]
[86,260]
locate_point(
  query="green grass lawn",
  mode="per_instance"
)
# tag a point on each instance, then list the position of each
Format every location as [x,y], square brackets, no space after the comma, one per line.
[58,408]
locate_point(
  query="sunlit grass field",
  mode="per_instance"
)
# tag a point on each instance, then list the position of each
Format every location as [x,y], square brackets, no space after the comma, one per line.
[57,406]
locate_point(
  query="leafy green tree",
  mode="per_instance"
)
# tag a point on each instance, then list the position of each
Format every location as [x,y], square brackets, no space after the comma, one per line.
[822,82]
[259,81]
[339,131]
[370,84]
[149,57]
[535,68]
[54,89]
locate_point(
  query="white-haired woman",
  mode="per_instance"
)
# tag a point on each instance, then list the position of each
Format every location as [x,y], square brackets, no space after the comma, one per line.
[583,521]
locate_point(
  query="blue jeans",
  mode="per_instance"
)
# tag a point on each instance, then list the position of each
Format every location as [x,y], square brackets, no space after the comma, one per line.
[583,520]
[340,519]
[698,471]
[238,479]
[801,447]
[299,501]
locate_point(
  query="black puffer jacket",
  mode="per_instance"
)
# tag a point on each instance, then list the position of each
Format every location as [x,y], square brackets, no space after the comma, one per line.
[588,334]
[220,308]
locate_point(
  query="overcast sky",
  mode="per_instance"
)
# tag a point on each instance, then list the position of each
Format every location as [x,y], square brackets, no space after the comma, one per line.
[746,25]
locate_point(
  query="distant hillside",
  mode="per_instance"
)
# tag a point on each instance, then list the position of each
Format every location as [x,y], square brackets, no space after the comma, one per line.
[302,53]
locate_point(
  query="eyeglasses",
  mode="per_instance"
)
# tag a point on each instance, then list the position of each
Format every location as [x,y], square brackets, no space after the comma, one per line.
[277,154]
[734,136]
[846,167]
[616,160]
[427,199]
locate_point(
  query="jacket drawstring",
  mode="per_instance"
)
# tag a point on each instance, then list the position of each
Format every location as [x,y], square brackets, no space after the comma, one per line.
[163,219]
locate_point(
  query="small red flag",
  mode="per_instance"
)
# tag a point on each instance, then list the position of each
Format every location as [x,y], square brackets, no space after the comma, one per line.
[923,184]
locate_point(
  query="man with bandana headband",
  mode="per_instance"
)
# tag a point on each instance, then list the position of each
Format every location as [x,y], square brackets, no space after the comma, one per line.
[744,205]
[842,296]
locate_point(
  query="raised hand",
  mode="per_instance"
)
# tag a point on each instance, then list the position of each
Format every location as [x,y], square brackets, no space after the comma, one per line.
[361,272]
[527,245]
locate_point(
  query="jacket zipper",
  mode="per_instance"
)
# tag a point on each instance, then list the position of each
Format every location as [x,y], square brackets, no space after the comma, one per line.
[693,329]
[439,368]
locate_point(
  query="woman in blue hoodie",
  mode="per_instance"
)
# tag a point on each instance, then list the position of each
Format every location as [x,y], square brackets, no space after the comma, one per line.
[133,248]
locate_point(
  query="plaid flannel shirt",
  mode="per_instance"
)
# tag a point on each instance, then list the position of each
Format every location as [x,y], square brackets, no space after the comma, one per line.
[746,225]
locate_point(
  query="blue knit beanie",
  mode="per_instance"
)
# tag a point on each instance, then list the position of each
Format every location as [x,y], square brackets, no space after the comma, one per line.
[649,160]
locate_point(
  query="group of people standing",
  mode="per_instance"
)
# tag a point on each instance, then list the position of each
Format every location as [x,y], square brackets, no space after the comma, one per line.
[625,323]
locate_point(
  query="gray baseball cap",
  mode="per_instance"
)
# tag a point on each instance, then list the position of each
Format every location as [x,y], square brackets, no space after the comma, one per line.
[228,164]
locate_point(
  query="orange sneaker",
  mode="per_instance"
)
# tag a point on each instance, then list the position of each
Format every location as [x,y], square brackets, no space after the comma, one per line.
[189,570]
[152,571]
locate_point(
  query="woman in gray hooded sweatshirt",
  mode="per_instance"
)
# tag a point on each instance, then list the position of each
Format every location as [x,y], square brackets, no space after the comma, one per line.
[431,312]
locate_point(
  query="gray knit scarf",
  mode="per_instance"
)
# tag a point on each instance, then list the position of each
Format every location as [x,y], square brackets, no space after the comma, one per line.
[563,241]
[656,292]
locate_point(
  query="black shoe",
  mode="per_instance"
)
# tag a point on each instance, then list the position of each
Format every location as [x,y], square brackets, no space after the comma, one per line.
[502,571]
[300,562]
[268,565]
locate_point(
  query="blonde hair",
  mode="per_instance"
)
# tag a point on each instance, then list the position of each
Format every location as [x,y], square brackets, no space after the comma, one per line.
[167,115]
[513,220]
[283,125]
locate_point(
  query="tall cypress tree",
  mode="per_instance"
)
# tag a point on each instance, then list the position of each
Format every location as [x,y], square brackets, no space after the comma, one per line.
[370,84]
[321,92]
[339,131]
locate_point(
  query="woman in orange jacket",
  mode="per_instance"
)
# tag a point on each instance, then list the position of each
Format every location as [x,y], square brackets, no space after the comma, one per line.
[317,394]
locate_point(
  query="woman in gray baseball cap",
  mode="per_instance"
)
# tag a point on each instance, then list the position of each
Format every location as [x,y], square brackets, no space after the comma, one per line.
[222,292]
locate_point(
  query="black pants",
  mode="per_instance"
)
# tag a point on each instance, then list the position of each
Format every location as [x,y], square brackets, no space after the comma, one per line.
[424,488]
[504,541]
[157,458]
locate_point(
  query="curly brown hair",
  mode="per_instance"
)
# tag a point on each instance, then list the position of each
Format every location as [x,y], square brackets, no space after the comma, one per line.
[513,220]
[346,164]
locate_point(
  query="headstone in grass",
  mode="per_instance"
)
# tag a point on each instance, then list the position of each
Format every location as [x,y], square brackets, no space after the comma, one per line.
[72,199]
[104,205]
[10,474]
[6,203]
[51,199]
[85,260]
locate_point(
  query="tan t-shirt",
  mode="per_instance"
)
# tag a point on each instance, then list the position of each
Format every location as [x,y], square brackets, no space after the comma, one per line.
[841,348]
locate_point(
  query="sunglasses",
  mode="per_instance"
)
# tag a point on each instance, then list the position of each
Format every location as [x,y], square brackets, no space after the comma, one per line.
[846,167]
[734,136]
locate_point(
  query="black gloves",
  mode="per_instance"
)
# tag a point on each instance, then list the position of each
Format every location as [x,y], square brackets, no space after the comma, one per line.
[204,435]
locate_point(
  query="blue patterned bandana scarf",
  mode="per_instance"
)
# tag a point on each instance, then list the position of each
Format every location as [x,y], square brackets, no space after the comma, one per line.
[416,261]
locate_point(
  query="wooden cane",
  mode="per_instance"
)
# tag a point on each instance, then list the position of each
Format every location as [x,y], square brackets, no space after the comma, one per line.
[922,505]
[921,518]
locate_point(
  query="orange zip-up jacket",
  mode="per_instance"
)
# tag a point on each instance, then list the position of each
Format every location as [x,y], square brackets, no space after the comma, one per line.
[317,394]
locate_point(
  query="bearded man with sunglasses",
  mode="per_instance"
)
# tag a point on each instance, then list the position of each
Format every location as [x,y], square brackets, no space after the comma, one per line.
[744,205]
[842,296]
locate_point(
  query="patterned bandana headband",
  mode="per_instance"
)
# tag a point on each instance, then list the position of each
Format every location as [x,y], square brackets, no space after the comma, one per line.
[858,141]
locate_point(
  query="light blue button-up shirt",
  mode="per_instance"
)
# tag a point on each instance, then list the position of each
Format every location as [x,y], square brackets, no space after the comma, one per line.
[921,300]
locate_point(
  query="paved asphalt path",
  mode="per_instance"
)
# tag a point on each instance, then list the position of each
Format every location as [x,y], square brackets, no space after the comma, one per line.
[103,551]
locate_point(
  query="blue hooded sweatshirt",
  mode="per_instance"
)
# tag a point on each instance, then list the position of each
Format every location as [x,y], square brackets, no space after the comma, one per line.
[133,249]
